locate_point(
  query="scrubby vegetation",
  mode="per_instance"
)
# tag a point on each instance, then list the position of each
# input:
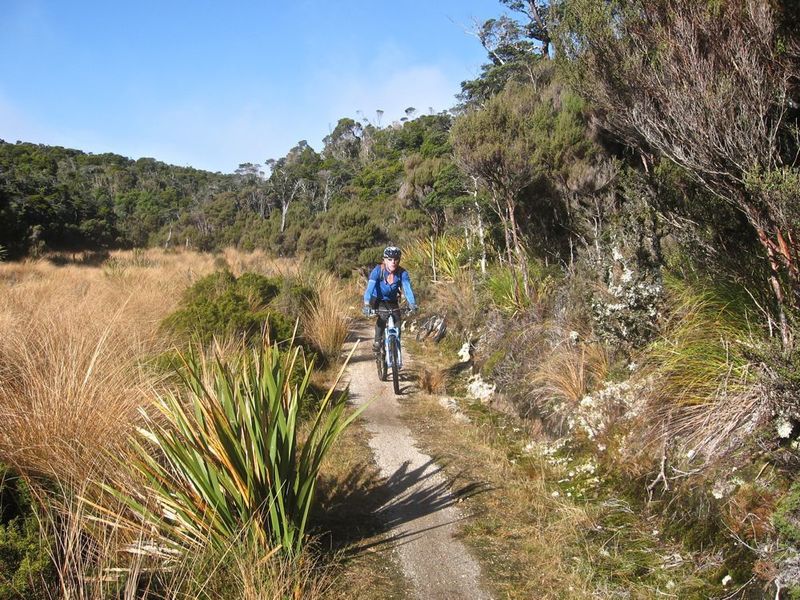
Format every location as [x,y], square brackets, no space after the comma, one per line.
[89,510]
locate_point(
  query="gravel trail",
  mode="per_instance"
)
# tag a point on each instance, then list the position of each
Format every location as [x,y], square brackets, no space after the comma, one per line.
[422,513]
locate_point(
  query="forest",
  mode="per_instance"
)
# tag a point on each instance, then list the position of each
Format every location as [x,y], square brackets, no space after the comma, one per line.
[607,220]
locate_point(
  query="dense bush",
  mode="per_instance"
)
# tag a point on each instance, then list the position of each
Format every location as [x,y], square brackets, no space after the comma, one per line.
[26,570]
[222,305]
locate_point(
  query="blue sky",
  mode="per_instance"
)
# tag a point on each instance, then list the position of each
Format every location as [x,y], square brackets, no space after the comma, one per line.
[213,84]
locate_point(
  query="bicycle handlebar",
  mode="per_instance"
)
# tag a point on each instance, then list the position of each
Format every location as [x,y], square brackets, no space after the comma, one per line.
[388,311]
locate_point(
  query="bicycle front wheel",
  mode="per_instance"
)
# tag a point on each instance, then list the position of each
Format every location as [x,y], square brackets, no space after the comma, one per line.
[380,362]
[393,353]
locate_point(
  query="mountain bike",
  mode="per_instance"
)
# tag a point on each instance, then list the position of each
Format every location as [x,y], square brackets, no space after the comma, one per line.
[390,357]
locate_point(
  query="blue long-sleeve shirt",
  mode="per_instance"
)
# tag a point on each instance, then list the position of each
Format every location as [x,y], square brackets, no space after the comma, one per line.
[379,287]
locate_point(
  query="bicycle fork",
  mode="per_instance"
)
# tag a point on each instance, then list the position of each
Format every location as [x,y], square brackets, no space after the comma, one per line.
[392,331]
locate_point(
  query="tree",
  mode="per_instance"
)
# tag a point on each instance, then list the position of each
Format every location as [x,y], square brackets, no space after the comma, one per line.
[493,145]
[537,27]
[513,47]
[252,182]
[711,86]
[344,142]
[292,175]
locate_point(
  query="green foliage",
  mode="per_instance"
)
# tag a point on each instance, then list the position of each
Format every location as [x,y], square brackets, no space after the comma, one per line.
[222,305]
[446,254]
[502,284]
[786,518]
[227,461]
[705,348]
[26,570]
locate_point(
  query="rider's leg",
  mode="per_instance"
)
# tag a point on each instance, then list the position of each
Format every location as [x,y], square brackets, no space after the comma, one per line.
[380,326]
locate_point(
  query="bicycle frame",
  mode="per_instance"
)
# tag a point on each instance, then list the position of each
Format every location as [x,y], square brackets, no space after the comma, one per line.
[390,359]
[392,331]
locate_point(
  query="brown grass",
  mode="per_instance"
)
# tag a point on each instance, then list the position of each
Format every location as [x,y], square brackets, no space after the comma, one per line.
[566,375]
[326,320]
[73,339]
[432,380]
[70,342]
[73,342]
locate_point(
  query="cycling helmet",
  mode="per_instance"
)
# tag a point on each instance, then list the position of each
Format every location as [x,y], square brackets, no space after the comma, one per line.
[392,252]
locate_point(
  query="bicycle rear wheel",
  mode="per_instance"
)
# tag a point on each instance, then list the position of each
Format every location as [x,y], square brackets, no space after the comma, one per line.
[395,368]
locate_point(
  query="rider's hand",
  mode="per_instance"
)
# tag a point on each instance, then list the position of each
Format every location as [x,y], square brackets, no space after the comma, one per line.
[366,310]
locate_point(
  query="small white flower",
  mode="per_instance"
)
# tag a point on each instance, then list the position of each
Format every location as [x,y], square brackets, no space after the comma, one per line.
[601,447]
[627,275]
[574,336]
[555,494]
[463,353]
[726,580]
[670,584]
[632,366]
[784,427]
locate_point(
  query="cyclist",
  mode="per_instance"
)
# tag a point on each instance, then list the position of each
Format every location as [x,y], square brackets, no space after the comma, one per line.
[386,282]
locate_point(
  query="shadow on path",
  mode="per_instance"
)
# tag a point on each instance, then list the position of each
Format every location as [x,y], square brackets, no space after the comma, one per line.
[365,505]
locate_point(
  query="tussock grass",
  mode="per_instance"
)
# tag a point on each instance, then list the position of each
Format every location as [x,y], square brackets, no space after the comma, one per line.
[569,372]
[704,386]
[69,378]
[72,341]
[74,336]
[432,380]
[326,319]
[259,262]
[109,560]
[503,284]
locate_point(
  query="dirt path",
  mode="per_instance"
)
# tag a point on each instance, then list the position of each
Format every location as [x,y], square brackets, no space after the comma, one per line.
[421,514]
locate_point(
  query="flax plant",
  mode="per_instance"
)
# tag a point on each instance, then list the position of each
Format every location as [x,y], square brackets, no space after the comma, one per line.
[227,460]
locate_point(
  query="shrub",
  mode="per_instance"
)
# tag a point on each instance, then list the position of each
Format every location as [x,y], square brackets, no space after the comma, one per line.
[25,566]
[222,305]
